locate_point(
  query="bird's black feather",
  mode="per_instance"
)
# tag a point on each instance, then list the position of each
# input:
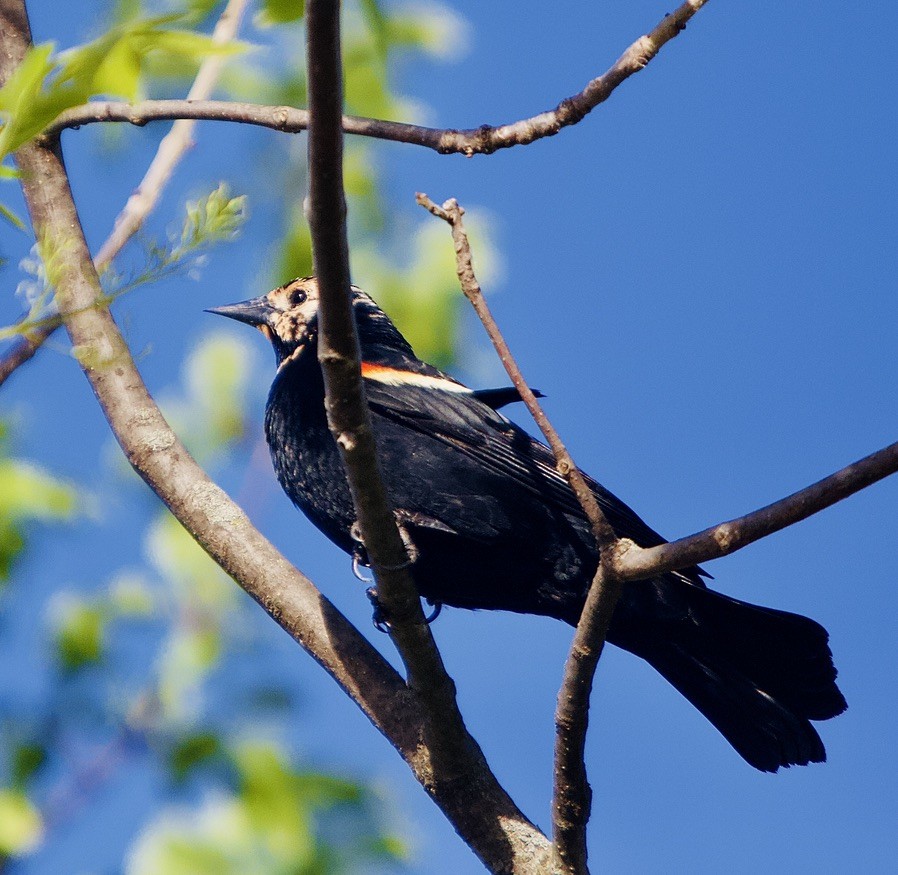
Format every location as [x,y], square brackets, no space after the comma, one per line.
[499,398]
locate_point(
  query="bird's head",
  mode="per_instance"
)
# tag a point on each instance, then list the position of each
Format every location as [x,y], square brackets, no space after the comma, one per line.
[288,317]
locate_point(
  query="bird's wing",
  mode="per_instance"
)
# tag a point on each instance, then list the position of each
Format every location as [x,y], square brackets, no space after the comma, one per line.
[500,447]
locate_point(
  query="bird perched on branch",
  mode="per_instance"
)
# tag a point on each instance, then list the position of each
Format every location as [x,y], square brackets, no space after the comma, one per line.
[493,525]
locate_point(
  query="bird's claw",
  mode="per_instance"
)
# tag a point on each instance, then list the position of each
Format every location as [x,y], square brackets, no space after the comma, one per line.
[379,617]
[359,554]
[358,564]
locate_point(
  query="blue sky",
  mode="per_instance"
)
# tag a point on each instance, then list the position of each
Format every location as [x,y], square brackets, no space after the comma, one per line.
[701,278]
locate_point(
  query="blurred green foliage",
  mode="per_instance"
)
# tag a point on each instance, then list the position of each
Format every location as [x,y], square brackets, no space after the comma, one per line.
[264,813]
[28,494]
[80,633]
[272,820]
[410,281]
[21,827]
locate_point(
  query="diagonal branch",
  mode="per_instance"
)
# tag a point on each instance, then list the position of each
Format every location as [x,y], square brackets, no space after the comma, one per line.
[479,810]
[483,140]
[23,349]
[452,213]
[169,153]
[572,796]
[638,563]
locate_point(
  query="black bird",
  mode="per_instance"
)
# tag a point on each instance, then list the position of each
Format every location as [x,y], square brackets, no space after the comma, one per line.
[495,526]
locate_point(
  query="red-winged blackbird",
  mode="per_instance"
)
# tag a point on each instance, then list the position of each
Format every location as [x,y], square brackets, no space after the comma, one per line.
[495,526]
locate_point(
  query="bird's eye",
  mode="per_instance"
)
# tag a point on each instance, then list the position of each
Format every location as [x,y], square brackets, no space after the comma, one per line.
[298,297]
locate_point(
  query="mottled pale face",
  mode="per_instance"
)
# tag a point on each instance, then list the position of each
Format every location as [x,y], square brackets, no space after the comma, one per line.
[293,310]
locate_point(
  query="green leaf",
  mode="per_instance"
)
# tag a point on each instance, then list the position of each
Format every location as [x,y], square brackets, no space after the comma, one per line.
[279,12]
[276,808]
[378,23]
[437,30]
[193,750]
[271,825]
[21,828]
[129,596]
[212,219]
[389,847]
[188,657]
[26,760]
[217,379]
[29,492]
[12,542]
[22,101]
[80,634]
[43,86]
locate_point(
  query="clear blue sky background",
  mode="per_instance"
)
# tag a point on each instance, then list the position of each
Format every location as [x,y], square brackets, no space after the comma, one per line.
[701,278]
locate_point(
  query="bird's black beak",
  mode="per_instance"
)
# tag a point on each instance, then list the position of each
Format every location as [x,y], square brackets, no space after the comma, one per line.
[253,312]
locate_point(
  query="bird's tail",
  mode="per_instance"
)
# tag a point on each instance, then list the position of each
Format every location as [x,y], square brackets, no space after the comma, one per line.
[758,674]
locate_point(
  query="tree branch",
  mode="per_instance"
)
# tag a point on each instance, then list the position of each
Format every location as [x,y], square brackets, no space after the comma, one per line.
[479,810]
[447,141]
[455,757]
[23,349]
[171,149]
[572,795]
[639,563]
[483,140]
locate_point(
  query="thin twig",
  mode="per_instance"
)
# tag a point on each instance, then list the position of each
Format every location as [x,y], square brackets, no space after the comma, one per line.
[572,794]
[480,811]
[452,213]
[169,153]
[483,140]
[23,349]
